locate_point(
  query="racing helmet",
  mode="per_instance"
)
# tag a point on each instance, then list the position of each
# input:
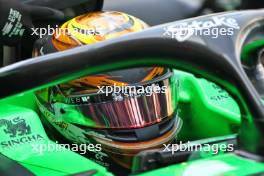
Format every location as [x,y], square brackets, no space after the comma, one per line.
[125,111]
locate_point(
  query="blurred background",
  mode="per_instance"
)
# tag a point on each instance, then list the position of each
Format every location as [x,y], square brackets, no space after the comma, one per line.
[153,12]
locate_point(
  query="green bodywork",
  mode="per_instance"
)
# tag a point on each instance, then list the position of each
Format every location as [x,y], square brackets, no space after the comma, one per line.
[23,138]
[205,108]
[226,165]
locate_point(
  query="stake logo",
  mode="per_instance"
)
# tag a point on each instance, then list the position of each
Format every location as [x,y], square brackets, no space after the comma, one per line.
[214,27]
[15,127]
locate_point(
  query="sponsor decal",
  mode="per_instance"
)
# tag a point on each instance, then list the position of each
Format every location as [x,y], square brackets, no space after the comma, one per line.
[18,131]
[214,27]
[15,127]
[13,26]
[21,140]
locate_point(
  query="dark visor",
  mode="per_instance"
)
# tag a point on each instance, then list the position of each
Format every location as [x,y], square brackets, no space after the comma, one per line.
[129,111]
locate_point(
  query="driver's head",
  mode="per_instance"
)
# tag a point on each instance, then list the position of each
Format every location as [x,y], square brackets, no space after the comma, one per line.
[125,111]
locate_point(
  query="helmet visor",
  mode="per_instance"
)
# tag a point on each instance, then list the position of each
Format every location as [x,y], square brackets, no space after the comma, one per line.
[124,111]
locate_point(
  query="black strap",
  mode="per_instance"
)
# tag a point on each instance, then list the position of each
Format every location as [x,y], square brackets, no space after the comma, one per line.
[9,167]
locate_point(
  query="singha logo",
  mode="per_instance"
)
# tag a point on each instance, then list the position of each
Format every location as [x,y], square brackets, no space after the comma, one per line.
[15,127]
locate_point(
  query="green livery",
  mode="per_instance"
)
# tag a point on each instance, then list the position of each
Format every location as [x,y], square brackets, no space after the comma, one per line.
[202,106]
